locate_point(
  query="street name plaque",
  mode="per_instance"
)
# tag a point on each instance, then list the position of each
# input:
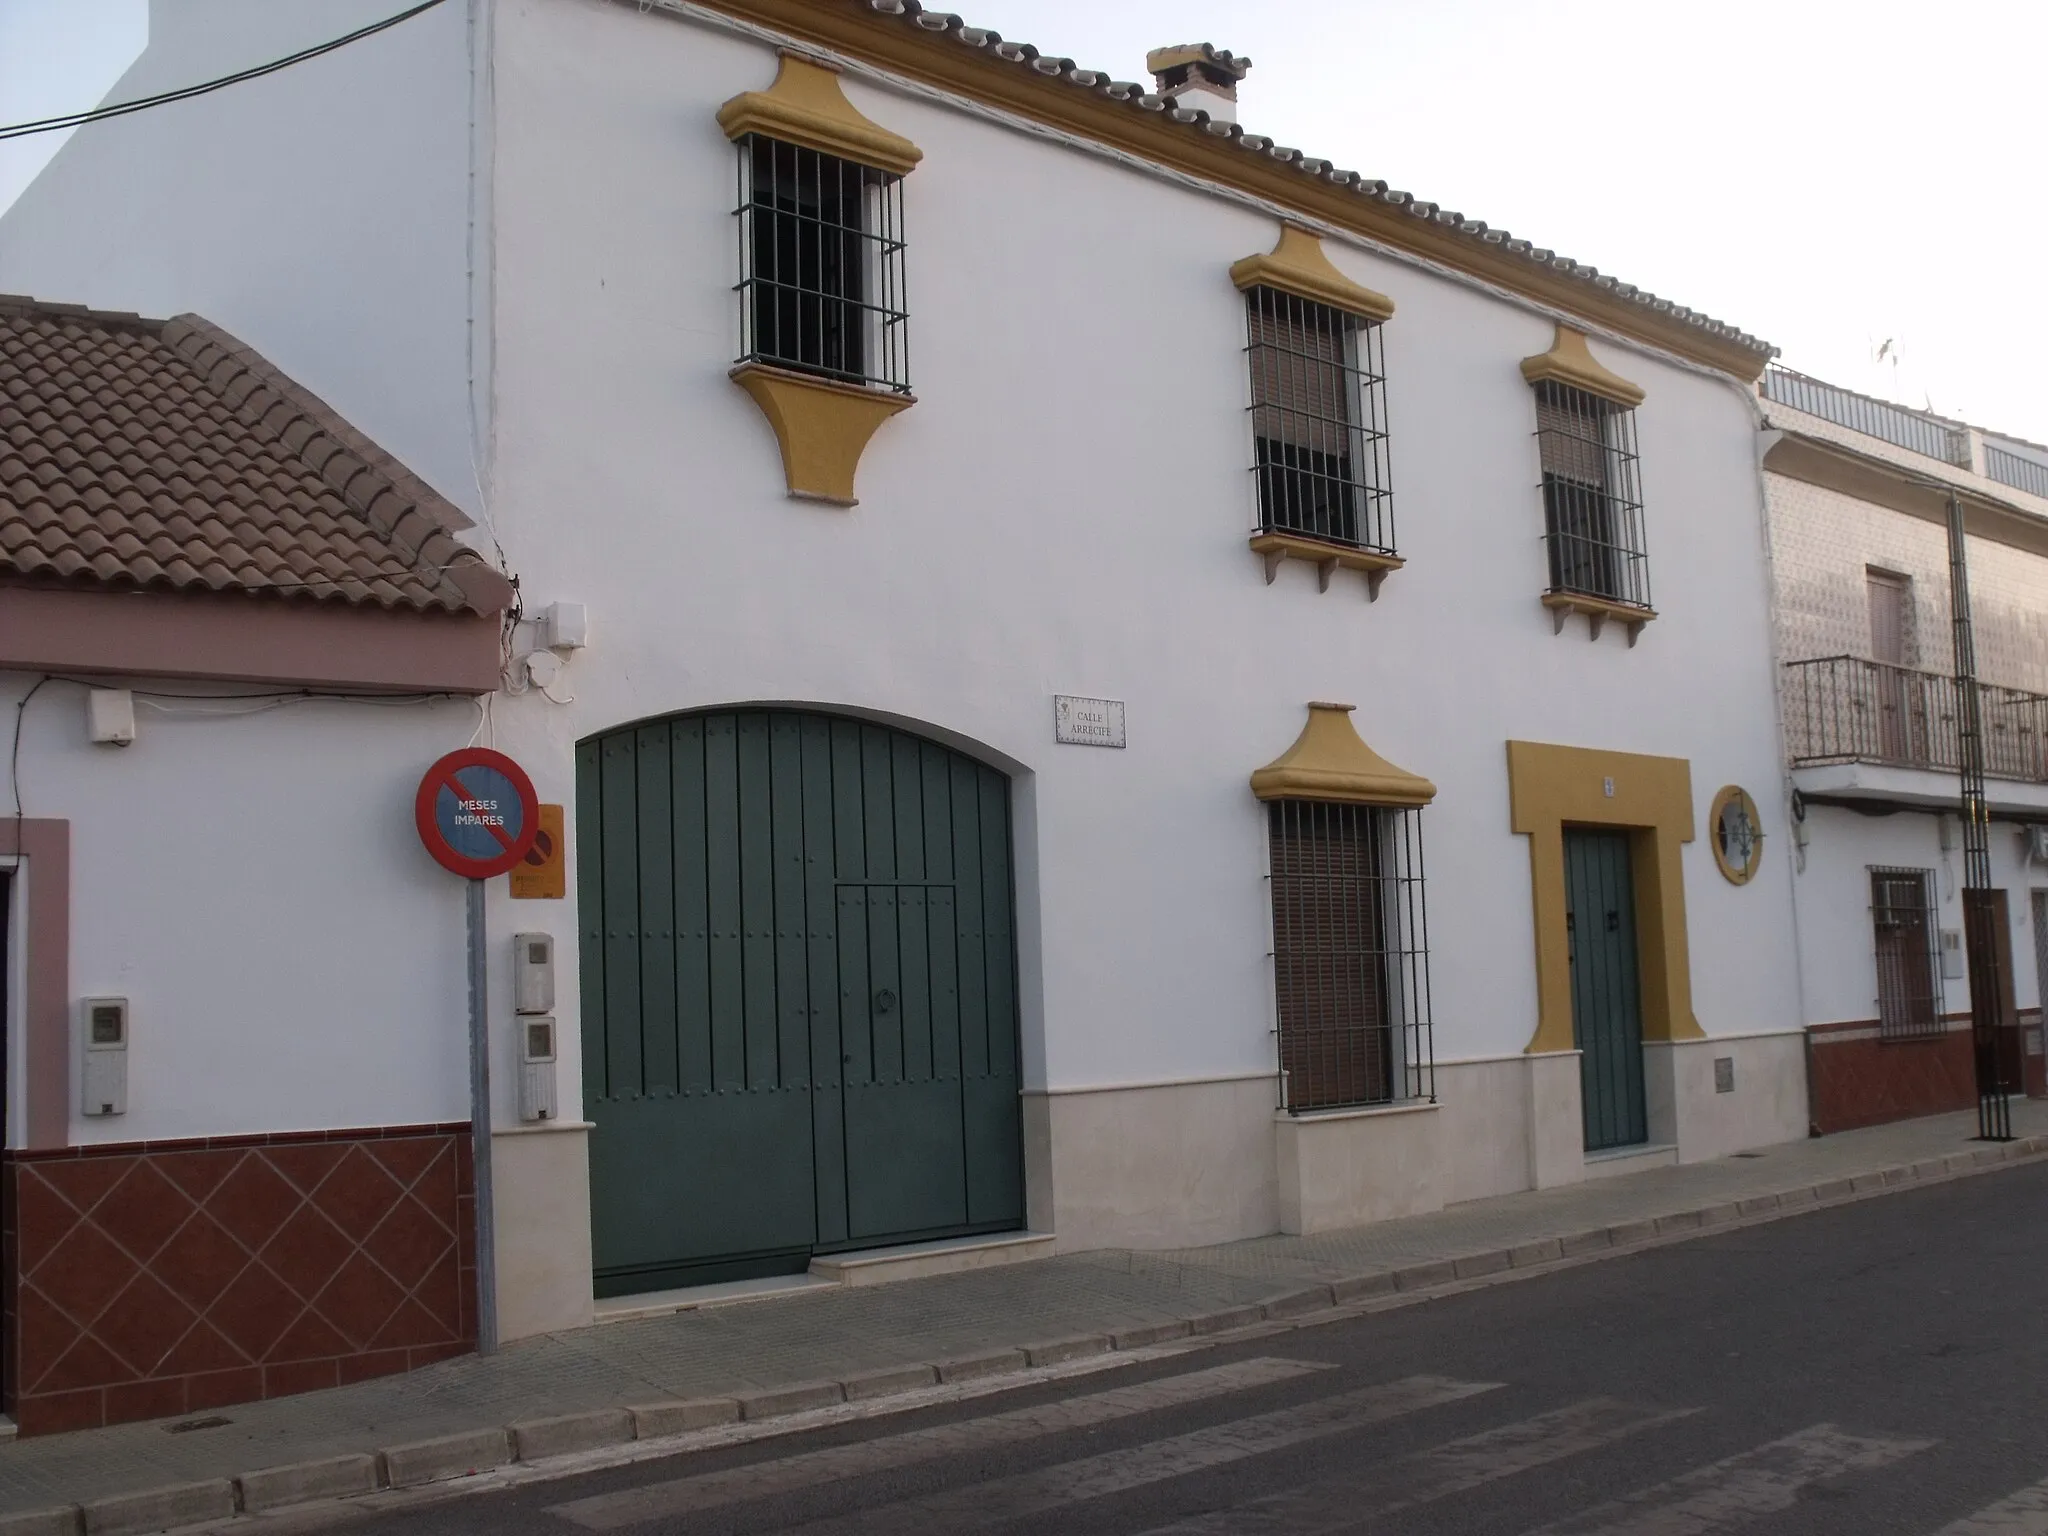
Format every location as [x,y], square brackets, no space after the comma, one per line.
[1078,722]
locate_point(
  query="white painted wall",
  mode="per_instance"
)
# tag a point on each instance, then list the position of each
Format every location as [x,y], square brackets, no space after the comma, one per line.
[252,883]
[1065,509]
[1834,904]
[320,214]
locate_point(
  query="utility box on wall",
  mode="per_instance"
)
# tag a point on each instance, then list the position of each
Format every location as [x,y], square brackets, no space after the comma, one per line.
[533,997]
[536,1069]
[103,1068]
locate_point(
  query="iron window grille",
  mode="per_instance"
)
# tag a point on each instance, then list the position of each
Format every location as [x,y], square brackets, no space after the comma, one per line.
[1350,955]
[1903,915]
[1319,422]
[821,265]
[1592,500]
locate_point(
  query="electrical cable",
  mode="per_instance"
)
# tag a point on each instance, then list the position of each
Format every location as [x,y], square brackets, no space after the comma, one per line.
[186,93]
[14,753]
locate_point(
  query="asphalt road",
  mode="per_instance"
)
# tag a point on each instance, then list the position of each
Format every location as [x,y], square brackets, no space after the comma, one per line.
[1873,1368]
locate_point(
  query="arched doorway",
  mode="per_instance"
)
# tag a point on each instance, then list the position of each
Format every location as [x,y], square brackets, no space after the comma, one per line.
[799,995]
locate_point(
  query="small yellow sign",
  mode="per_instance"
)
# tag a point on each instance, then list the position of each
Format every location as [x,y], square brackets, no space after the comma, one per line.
[543,875]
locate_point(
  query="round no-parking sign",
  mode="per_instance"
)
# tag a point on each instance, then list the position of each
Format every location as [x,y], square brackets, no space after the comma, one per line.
[477,812]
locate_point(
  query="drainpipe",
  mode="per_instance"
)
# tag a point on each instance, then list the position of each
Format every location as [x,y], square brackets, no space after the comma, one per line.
[1767,438]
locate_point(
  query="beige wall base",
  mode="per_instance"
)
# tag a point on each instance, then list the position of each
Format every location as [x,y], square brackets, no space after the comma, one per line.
[1557,1120]
[1485,1107]
[541,1180]
[1510,1124]
[1169,1166]
[1768,1105]
[1350,1168]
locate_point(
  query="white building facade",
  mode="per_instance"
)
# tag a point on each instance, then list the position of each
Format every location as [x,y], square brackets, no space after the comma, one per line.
[975,531]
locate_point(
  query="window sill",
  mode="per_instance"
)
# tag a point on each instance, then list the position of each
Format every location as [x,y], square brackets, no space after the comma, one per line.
[1355,1111]
[823,426]
[1276,547]
[1598,610]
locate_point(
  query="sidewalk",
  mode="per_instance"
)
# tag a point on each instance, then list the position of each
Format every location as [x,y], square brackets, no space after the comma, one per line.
[1128,1298]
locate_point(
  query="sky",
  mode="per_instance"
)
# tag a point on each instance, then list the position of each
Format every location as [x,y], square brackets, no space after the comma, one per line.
[1859,182]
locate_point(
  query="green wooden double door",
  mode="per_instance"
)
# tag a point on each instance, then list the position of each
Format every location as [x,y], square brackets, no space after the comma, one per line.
[1607,1012]
[799,997]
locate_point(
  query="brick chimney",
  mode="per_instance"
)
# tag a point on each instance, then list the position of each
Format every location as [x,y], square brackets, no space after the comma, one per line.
[1199,77]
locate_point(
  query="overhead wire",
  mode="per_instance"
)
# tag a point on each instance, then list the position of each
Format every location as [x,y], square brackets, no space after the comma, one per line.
[186,93]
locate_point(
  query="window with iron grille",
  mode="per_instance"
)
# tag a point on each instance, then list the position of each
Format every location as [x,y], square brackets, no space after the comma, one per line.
[1319,414]
[821,265]
[1592,504]
[1350,954]
[1902,912]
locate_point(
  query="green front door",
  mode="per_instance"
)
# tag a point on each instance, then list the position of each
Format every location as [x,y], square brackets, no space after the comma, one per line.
[1607,1015]
[799,1009]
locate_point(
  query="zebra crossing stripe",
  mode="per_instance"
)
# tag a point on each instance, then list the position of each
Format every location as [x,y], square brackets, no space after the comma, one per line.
[1095,1477]
[711,1490]
[1728,1495]
[1427,1476]
[2022,1514]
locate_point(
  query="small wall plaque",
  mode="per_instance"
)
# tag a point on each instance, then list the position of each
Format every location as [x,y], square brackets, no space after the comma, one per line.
[1087,722]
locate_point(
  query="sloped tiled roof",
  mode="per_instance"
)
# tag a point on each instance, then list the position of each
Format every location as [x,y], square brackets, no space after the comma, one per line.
[1047,76]
[166,455]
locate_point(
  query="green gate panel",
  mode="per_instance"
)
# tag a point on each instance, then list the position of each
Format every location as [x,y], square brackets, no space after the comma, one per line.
[1607,1018]
[799,1002]
[905,1149]
[687,1191]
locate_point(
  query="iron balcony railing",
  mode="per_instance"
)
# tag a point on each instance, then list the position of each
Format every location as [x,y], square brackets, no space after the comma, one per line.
[1843,709]
[1894,424]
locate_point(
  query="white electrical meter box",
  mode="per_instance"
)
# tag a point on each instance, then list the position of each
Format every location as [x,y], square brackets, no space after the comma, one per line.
[103,1075]
[533,973]
[536,1069]
[110,716]
[1951,954]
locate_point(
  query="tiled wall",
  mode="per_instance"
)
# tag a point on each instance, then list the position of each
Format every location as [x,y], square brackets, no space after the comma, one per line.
[1822,542]
[1854,1078]
[165,1278]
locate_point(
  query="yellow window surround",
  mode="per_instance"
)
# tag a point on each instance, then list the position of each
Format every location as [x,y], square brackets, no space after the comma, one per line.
[1550,787]
[1598,610]
[1330,761]
[1733,797]
[1569,361]
[822,426]
[807,105]
[1298,265]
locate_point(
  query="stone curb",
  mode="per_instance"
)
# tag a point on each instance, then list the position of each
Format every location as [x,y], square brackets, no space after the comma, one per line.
[452,1456]
[334,1478]
[444,1456]
[158,1509]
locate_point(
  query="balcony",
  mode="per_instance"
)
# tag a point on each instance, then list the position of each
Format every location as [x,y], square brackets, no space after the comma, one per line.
[1843,710]
[1935,437]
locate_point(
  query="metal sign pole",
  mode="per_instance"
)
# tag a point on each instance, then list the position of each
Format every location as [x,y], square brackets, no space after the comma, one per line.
[480,1126]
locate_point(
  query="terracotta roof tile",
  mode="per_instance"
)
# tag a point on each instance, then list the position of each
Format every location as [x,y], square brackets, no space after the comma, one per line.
[165,453]
[1142,98]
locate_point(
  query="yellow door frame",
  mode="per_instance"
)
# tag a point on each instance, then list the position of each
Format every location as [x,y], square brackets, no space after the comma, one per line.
[1551,787]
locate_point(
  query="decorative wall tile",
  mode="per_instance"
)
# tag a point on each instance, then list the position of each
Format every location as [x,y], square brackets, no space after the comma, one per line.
[1862,1080]
[1822,543]
[164,1278]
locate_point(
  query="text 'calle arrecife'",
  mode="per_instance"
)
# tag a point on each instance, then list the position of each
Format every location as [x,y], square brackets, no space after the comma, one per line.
[1080,722]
